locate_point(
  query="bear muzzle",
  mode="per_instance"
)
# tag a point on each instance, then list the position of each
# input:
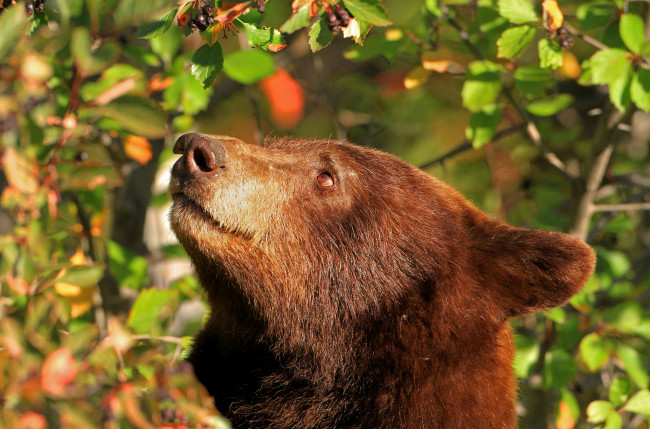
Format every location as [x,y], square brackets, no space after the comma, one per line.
[204,157]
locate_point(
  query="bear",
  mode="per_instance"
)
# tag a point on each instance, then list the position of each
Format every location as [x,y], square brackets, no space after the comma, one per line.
[350,289]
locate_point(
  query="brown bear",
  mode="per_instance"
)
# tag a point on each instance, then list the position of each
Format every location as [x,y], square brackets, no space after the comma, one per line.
[349,289]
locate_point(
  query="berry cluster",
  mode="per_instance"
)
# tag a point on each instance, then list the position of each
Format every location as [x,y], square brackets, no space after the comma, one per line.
[339,17]
[34,6]
[201,22]
[259,4]
[30,6]
[565,40]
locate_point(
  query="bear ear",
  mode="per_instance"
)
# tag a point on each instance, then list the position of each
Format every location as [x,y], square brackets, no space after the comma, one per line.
[531,270]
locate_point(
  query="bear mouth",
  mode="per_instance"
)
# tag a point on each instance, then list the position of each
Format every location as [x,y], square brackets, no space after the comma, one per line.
[189,206]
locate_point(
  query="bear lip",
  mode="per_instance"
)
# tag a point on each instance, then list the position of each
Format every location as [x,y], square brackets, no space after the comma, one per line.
[195,207]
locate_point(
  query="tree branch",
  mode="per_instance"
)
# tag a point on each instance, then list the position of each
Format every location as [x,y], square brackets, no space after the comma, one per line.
[620,207]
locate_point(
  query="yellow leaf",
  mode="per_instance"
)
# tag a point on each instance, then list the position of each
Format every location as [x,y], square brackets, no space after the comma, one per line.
[21,172]
[78,258]
[138,149]
[555,16]
[416,77]
[564,419]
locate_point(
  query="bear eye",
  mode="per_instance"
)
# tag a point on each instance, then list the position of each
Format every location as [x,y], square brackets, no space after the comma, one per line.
[325,180]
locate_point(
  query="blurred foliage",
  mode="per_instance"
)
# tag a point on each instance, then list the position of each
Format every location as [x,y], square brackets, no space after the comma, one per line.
[536,110]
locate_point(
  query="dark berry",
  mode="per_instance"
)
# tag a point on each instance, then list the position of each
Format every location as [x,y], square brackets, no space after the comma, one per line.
[201,26]
[200,20]
[343,16]
[192,25]
[29,7]
[207,11]
[332,22]
[7,3]
[261,8]
[210,21]
[38,6]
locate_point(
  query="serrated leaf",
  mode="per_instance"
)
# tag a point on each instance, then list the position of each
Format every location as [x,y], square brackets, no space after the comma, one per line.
[266,38]
[640,89]
[151,305]
[483,125]
[597,411]
[532,80]
[607,65]
[549,106]
[639,403]
[632,31]
[371,11]
[550,54]
[620,390]
[514,41]
[593,351]
[248,67]
[136,115]
[157,28]
[634,365]
[320,35]
[518,11]
[207,63]
[298,20]
[482,84]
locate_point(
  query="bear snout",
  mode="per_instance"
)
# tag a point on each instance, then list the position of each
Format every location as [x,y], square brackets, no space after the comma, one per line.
[203,157]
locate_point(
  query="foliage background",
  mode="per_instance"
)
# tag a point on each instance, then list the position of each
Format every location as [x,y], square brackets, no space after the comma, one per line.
[538,112]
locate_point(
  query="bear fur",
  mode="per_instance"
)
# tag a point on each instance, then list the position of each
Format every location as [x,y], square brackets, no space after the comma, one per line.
[349,289]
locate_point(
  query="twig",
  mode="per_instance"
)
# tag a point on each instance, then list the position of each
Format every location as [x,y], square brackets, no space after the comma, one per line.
[466,145]
[587,38]
[620,207]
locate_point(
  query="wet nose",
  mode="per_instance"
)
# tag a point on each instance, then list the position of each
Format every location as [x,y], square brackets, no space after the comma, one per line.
[203,156]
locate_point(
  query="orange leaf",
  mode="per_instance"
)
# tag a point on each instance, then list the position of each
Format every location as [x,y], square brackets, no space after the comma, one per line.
[570,66]
[555,16]
[138,148]
[31,420]
[115,91]
[564,419]
[416,77]
[21,173]
[59,369]
[287,98]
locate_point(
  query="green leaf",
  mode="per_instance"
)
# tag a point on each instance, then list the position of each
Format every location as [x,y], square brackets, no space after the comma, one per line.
[482,84]
[594,14]
[433,7]
[129,269]
[594,351]
[640,89]
[549,106]
[569,398]
[320,34]
[153,29]
[371,11]
[550,54]
[620,89]
[14,24]
[620,390]
[532,80]
[527,352]
[613,420]
[634,366]
[518,11]
[151,306]
[639,403]
[207,63]
[483,125]
[298,20]
[186,94]
[83,276]
[141,54]
[607,65]
[597,411]
[137,115]
[632,31]
[128,11]
[167,45]
[559,368]
[373,47]
[624,317]
[268,39]
[645,49]
[248,67]
[514,41]
[91,62]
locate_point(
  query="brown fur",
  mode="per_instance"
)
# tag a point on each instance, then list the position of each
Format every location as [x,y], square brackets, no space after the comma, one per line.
[381,303]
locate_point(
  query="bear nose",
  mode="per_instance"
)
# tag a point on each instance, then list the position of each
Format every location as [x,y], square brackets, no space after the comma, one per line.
[203,156]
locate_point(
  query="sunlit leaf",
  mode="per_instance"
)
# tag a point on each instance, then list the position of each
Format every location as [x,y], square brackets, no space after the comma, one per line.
[640,89]
[249,66]
[136,115]
[597,411]
[150,306]
[320,35]
[157,28]
[514,41]
[207,63]
[639,403]
[483,125]
[371,11]
[550,54]
[551,105]
[594,351]
[518,11]
[297,20]
[268,39]
[482,84]
[632,32]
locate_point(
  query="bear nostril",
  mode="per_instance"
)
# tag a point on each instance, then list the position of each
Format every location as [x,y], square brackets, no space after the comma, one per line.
[201,161]
[202,156]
